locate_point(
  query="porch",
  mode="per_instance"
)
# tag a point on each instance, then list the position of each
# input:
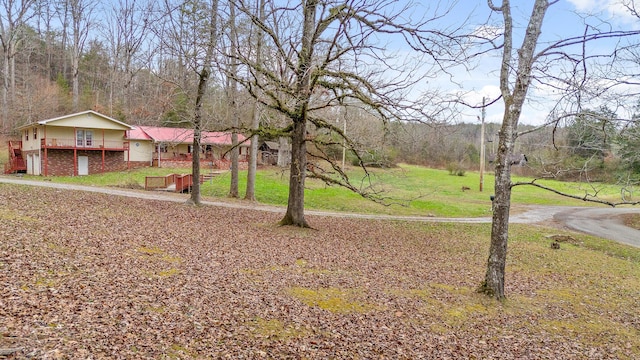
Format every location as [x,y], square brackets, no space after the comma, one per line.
[72,143]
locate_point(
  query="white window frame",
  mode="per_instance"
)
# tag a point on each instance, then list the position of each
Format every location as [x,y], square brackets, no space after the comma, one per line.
[84,138]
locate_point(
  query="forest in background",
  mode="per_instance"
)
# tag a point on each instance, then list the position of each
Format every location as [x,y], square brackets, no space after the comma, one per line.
[65,56]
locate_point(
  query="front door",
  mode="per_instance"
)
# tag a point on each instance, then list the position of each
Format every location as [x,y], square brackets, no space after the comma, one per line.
[30,164]
[83,165]
[35,170]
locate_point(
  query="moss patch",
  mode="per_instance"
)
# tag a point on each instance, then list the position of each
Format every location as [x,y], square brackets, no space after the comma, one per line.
[159,259]
[335,300]
[11,215]
[275,329]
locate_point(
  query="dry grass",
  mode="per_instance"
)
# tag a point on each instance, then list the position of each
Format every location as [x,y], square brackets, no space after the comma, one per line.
[96,276]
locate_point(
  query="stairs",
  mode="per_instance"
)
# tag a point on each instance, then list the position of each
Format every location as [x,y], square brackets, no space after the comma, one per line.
[16,161]
[208,176]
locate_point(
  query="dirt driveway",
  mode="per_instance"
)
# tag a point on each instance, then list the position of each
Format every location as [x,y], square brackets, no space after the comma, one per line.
[601,222]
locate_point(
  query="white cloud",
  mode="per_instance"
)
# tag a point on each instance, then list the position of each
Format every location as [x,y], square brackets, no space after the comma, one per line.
[615,9]
[488,31]
[589,5]
[489,92]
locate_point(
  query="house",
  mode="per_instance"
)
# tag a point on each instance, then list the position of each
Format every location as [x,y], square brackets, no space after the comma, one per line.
[269,152]
[77,144]
[173,147]
[275,153]
[89,142]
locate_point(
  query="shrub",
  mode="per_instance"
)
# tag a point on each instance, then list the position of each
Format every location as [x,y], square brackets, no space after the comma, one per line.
[455,168]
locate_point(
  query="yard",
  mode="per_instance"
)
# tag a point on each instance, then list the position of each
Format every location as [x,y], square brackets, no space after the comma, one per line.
[408,189]
[88,275]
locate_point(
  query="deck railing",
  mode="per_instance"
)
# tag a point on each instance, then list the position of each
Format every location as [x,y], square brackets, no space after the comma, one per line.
[95,144]
[182,182]
[159,182]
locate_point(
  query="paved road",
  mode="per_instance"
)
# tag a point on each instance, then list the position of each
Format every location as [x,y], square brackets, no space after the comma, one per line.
[602,222]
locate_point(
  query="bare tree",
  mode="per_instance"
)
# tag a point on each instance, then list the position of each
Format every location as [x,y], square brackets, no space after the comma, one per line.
[250,193]
[320,55]
[190,34]
[203,77]
[82,17]
[126,30]
[233,101]
[531,62]
[13,17]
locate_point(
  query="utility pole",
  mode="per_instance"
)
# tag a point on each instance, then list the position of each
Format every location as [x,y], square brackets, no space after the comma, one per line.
[344,142]
[482,146]
[344,132]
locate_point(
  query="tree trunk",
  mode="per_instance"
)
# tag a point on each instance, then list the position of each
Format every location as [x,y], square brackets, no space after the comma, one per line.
[203,78]
[295,205]
[284,155]
[5,97]
[494,278]
[233,97]
[8,76]
[12,89]
[75,83]
[197,135]
[233,189]
[513,97]
[252,167]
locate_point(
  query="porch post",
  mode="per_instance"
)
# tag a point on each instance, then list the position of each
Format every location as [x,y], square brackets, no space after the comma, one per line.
[102,150]
[46,153]
[75,151]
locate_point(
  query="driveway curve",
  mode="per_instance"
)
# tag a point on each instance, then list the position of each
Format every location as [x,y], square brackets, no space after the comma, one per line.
[601,222]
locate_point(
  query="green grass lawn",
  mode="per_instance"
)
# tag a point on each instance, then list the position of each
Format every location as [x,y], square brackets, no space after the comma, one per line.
[408,190]
[411,190]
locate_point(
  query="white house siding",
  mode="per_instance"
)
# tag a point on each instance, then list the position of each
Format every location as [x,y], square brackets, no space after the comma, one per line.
[31,143]
[139,151]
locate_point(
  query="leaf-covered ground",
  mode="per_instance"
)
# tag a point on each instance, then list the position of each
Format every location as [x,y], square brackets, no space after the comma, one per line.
[632,220]
[95,276]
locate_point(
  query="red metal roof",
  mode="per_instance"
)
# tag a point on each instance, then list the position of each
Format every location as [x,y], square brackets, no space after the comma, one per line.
[137,134]
[179,135]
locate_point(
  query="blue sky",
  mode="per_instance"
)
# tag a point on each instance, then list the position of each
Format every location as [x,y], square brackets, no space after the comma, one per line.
[565,19]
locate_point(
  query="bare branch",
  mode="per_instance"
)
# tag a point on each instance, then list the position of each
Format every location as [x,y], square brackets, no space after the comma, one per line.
[587,197]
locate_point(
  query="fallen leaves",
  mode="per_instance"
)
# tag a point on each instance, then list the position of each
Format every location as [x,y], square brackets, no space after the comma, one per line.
[99,276]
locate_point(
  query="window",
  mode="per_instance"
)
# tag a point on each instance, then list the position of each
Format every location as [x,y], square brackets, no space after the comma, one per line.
[26,135]
[79,137]
[84,138]
[35,133]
